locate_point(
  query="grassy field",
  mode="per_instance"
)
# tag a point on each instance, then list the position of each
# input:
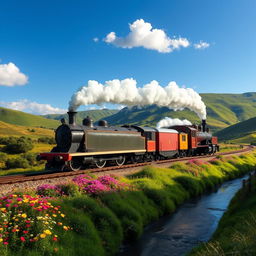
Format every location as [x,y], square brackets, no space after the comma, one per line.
[7,129]
[236,231]
[21,118]
[100,222]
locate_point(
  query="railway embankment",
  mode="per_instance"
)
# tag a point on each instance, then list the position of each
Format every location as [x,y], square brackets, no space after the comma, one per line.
[98,221]
[236,231]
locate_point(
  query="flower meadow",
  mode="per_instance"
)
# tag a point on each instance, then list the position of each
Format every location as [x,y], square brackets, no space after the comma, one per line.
[28,221]
[84,184]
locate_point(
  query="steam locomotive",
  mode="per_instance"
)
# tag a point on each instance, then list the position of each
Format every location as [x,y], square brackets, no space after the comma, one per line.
[80,146]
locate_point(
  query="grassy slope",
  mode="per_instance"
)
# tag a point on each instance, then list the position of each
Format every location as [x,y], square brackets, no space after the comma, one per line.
[222,110]
[236,231]
[7,129]
[243,132]
[21,118]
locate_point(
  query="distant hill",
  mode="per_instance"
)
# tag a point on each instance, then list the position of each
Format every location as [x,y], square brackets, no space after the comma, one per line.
[20,118]
[243,132]
[222,110]
[95,115]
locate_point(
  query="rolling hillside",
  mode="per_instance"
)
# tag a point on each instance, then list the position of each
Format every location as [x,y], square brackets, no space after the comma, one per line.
[222,110]
[18,130]
[20,118]
[243,132]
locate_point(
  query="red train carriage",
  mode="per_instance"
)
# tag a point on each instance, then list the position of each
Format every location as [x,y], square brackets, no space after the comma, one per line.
[167,142]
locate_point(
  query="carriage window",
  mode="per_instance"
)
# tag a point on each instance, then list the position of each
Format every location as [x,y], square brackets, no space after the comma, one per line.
[183,137]
[148,135]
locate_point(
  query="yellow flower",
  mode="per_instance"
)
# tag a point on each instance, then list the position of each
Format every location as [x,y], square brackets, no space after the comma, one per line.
[62,215]
[43,235]
[25,200]
[14,195]
[24,215]
[1,240]
[65,227]
[2,209]
[20,202]
[60,223]
[54,215]
[1,229]
[47,232]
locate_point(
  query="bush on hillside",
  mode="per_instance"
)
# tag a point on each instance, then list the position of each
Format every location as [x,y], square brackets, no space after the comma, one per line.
[48,140]
[3,158]
[18,162]
[17,145]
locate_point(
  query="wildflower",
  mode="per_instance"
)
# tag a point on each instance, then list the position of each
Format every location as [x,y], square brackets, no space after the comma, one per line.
[60,223]
[43,235]
[22,239]
[65,227]
[62,215]
[47,232]
[5,243]
[24,215]
[54,215]
[2,209]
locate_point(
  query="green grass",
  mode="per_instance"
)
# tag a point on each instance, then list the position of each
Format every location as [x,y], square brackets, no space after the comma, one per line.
[102,222]
[236,231]
[243,132]
[20,118]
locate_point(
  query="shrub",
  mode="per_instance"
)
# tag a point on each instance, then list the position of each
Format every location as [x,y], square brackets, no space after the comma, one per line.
[17,162]
[18,145]
[48,140]
[3,158]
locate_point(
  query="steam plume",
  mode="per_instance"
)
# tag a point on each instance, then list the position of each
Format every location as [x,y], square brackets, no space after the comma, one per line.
[167,121]
[127,93]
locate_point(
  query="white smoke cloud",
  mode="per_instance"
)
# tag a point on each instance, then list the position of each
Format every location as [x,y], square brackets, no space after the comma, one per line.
[167,121]
[127,93]
[201,45]
[10,75]
[32,107]
[143,35]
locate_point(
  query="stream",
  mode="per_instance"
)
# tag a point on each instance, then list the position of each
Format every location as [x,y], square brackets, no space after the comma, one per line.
[192,223]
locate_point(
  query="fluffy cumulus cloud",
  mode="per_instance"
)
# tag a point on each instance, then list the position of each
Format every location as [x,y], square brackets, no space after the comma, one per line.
[32,107]
[142,34]
[10,75]
[201,45]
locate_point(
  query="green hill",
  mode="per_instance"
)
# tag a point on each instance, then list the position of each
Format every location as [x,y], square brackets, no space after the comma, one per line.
[20,118]
[95,115]
[243,132]
[222,110]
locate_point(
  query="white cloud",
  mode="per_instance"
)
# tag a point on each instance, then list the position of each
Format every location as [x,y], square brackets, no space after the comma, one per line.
[95,39]
[201,45]
[143,35]
[10,75]
[32,107]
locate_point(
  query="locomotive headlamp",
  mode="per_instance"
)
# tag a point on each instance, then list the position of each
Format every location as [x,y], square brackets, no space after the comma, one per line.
[58,158]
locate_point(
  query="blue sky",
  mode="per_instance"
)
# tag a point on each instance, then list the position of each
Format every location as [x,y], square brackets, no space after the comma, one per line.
[51,42]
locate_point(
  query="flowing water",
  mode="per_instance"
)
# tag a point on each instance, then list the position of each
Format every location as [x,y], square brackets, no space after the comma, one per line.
[192,223]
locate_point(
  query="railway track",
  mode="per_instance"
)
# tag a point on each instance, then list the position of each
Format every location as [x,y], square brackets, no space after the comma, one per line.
[20,178]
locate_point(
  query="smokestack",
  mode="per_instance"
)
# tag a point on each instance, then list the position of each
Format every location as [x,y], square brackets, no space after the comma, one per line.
[72,117]
[204,125]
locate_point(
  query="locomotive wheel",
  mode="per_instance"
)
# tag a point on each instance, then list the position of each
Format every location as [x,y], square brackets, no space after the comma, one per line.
[74,165]
[100,163]
[120,161]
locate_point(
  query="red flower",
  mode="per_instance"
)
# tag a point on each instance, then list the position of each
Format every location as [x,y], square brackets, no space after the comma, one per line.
[22,238]
[55,239]
[28,225]
[25,231]
[6,243]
